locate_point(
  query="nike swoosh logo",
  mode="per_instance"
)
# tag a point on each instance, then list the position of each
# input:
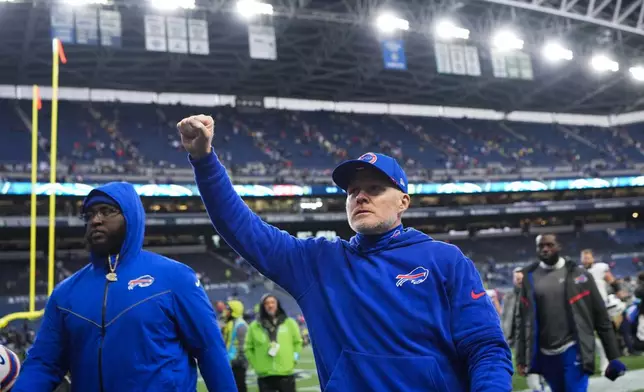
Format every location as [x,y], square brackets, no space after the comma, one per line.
[477,296]
[2,362]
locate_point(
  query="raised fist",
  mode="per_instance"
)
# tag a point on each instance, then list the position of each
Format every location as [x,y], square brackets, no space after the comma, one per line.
[196,135]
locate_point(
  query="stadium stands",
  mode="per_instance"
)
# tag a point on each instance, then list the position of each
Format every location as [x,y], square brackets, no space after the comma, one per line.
[274,140]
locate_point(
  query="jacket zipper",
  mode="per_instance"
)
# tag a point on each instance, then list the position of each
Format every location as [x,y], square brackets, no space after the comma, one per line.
[100,347]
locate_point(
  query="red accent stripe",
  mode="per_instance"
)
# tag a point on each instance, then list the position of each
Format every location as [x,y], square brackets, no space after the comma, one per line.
[38,99]
[524,300]
[11,375]
[61,52]
[579,296]
[405,276]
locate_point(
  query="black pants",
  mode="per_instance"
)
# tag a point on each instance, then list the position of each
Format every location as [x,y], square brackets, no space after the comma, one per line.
[240,377]
[276,384]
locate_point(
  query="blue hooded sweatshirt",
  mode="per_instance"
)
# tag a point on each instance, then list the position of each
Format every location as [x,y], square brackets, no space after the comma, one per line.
[145,332]
[396,312]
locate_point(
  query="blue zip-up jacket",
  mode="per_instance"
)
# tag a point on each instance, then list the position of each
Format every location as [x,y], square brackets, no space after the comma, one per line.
[140,333]
[399,312]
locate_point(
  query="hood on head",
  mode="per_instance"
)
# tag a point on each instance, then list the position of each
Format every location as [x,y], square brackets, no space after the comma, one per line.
[262,310]
[129,202]
[236,308]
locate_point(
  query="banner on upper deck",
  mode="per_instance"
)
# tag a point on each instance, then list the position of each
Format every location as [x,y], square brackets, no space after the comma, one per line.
[110,28]
[393,54]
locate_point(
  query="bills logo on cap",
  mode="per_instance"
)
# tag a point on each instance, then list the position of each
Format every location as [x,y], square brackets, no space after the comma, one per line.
[369,158]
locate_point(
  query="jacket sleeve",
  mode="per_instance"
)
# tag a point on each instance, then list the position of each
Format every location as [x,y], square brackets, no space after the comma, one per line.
[48,359]
[602,322]
[297,337]
[199,331]
[476,330]
[249,345]
[276,254]
[520,312]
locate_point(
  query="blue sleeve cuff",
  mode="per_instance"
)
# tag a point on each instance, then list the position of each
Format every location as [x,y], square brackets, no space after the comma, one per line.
[206,166]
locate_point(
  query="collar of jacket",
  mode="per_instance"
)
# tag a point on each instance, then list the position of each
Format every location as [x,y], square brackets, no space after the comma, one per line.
[568,264]
[367,243]
[558,265]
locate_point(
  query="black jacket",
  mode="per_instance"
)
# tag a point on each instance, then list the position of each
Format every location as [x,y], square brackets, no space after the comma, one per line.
[586,311]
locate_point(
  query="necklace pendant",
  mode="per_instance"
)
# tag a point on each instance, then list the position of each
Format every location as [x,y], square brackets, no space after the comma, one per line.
[111,277]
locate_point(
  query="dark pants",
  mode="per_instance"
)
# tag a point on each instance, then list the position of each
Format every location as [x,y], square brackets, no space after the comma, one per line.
[564,372]
[276,384]
[240,377]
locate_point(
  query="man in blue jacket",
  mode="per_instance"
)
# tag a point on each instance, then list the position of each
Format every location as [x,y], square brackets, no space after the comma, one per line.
[390,310]
[130,320]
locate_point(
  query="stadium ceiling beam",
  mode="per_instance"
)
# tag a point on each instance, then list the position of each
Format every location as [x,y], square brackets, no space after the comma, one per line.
[605,86]
[331,43]
[596,12]
[527,98]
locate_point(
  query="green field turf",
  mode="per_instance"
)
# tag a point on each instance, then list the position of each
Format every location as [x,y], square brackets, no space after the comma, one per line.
[308,380]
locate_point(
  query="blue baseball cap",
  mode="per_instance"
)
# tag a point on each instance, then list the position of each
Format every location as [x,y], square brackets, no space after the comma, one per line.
[383,163]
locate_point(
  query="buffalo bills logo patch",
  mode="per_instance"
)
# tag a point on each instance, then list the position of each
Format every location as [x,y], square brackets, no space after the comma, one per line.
[369,158]
[581,279]
[141,281]
[416,276]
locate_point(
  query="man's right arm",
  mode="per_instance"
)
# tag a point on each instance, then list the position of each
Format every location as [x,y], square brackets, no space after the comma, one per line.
[275,253]
[47,360]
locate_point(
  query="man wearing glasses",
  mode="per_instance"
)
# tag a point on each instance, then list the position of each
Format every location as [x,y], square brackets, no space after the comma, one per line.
[130,320]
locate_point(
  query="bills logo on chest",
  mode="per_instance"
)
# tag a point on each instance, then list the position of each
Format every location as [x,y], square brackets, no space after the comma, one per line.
[141,281]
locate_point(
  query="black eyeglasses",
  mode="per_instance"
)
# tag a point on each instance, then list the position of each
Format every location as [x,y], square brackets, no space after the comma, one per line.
[104,212]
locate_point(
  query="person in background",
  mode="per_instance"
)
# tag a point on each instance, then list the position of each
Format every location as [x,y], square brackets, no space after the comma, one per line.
[235,332]
[510,305]
[273,346]
[494,297]
[603,278]
[220,309]
[560,310]
[510,301]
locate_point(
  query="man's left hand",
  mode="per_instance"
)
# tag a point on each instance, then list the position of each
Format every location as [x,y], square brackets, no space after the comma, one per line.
[615,369]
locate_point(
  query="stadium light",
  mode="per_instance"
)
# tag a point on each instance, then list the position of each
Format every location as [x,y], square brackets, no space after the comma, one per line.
[506,40]
[250,8]
[637,73]
[554,52]
[388,22]
[445,29]
[168,5]
[601,63]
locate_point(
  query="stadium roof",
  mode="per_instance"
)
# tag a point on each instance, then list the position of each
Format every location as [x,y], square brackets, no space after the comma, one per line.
[328,49]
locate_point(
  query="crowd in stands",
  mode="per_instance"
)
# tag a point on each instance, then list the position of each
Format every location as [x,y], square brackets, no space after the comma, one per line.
[132,138]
